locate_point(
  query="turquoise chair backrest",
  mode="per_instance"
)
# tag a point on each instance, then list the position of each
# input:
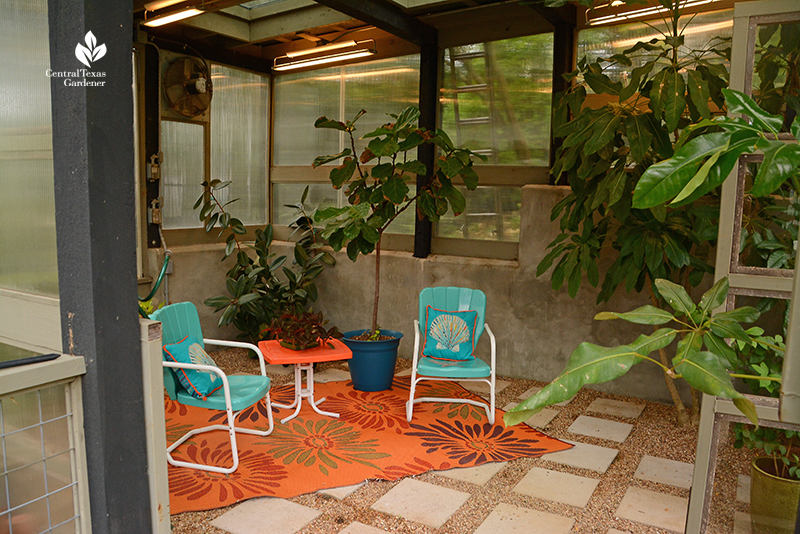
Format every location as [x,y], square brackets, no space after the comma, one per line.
[177,321]
[453,299]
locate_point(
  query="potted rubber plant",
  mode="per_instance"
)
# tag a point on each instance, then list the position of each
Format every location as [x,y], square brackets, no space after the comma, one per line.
[377,194]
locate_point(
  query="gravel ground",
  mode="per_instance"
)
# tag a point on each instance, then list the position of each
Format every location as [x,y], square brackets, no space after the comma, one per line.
[655,433]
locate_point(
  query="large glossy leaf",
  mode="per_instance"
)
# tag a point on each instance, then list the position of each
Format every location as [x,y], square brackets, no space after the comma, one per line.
[662,181]
[699,93]
[676,296]
[635,79]
[718,346]
[325,122]
[321,160]
[588,118]
[727,328]
[700,177]
[674,98]
[644,315]
[588,364]
[639,136]
[745,314]
[342,174]
[603,132]
[395,190]
[704,371]
[659,339]
[739,102]
[781,162]
[714,297]
[599,82]
[690,344]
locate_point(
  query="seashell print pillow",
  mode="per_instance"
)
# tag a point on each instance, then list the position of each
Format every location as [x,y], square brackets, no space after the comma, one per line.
[198,383]
[449,335]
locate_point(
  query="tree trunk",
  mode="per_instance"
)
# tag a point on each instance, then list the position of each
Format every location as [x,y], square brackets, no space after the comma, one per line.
[683,417]
[377,286]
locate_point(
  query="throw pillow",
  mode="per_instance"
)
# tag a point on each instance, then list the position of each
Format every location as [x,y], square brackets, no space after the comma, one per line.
[198,383]
[450,335]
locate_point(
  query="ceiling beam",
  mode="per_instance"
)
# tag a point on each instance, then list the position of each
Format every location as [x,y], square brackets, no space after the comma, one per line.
[566,15]
[220,24]
[294,21]
[387,17]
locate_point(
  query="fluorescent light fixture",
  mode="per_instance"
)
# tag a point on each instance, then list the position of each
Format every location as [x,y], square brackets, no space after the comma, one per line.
[172,17]
[636,13]
[341,53]
[160,4]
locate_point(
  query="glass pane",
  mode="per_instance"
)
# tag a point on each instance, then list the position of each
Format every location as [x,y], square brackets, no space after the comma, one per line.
[492,213]
[20,411]
[62,506]
[239,144]
[23,447]
[380,87]
[56,437]
[26,484]
[54,402]
[30,518]
[497,99]
[768,225]
[27,208]
[182,173]
[59,471]
[300,99]
[70,527]
[603,42]
[775,74]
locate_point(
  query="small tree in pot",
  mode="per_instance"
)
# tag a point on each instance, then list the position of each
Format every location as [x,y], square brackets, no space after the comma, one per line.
[378,195]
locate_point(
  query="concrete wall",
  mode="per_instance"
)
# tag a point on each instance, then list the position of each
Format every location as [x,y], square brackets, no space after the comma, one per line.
[536,328]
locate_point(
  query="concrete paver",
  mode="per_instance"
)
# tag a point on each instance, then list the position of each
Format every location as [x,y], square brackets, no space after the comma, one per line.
[342,491]
[284,370]
[584,456]
[743,488]
[510,519]
[665,471]
[331,375]
[421,502]
[266,515]
[360,528]
[556,486]
[479,475]
[742,523]
[539,420]
[655,509]
[600,428]
[482,388]
[615,407]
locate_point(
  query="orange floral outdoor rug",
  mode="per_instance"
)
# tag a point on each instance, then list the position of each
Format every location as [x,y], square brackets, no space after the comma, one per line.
[371,439]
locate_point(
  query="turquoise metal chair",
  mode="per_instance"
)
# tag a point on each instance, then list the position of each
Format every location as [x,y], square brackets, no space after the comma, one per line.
[471,370]
[237,392]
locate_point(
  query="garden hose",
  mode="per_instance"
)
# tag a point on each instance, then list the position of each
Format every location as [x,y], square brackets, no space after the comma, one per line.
[160,279]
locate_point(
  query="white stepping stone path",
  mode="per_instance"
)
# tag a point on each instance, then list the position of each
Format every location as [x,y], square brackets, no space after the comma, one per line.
[266,515]
[479,475]
[421,502]
[510,519]
[600,428]
[558,487]
[615,407]
[742,523]
[654,509]
[341,492]
[361,528]
[743,488]
[665,471]
[584,456]
[539,420]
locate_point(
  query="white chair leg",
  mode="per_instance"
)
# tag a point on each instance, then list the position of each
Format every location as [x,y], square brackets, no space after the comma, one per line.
[410,403]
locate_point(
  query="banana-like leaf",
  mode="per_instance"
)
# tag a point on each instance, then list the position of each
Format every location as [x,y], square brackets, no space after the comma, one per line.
[662,181]
[676,296]
[644,315]
[704,371]
[588,364]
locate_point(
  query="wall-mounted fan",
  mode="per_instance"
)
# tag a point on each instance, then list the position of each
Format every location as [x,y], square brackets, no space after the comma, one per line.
[187,86]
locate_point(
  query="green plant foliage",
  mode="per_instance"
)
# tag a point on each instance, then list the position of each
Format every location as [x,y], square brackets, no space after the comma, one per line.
[378,195]
[605,152]
[260,284]
[700,358]
[302,330]
[780,444]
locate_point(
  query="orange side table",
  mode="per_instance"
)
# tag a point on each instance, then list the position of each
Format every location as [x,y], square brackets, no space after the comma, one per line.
[304,360]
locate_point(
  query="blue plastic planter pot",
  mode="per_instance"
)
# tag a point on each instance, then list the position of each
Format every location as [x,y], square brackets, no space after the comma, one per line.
[372,365]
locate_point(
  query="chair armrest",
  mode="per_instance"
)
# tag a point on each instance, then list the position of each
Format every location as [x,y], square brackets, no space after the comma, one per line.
[240,345]
[492,342]
[416,345]
[210,368]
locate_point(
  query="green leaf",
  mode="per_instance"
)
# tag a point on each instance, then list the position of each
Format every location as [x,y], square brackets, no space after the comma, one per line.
[599,82]
[321,160]
[636,76]
[690,344]
[659,339]
[701,175]
[603,132]
[745,314]
[457,201]
[325,122]
[656,98]
[644,315]
[676,296]
[662,181]
[718,346]
[340,175]
[414,167]
[703,371]
[639,136]
[739,102]
[699,93]
[781,162]
[329,213]
[588,364]
[395,190]
[714,297]
[727,328]
[383,146]
[674,97]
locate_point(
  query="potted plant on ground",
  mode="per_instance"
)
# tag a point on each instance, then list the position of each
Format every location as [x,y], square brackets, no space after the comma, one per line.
[301,330]
[376,197]
[775,477]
